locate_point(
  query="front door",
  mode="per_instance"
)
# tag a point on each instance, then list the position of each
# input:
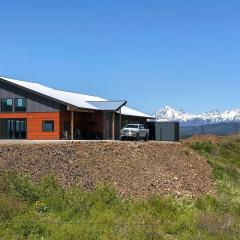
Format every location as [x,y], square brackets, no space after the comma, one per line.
[13,128]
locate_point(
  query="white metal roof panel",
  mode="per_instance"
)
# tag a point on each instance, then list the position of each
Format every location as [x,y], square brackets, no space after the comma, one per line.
[132,112]
[108,105]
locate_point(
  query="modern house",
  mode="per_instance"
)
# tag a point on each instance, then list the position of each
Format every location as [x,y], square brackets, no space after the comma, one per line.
[33,111]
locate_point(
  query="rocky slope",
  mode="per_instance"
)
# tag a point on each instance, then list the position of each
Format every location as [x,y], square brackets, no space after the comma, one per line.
[134,169]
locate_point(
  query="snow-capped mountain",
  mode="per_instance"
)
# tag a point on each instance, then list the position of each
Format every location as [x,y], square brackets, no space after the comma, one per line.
[187,119]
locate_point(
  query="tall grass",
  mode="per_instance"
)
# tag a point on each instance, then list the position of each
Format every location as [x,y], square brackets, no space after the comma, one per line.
[48,211]
[224,157]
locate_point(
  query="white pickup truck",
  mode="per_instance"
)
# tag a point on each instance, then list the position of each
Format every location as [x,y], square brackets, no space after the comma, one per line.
[134,132]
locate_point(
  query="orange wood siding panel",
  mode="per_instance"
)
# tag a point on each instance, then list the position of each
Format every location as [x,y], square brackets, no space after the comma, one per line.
[34,124]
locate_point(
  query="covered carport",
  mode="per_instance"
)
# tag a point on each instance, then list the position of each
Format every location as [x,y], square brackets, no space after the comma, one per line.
[104,122]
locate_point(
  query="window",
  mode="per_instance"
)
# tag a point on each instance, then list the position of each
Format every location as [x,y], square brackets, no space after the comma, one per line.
[131,126]
[48,126]
[7,105]
[20,105]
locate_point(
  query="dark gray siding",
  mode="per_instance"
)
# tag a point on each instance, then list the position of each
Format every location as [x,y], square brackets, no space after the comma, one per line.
[164,131]
[35,103]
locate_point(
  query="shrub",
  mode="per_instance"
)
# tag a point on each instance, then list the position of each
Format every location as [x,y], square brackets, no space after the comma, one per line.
[79,204]
[205,146]
[51,193]
[217,224]
[30,226]
[106,195]
[18,185]
[206,203]
[9,207]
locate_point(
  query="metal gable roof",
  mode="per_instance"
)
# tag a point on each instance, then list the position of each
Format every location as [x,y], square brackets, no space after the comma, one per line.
[76,99]
[62,96]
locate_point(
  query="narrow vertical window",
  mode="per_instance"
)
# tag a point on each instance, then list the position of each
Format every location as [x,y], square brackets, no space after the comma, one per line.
[20,105]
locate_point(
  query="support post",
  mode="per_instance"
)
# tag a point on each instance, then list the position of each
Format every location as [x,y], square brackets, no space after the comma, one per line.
[120,121]
[113,126]
[72,125]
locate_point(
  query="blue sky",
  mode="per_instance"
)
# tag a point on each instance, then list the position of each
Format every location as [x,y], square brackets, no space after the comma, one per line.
[153,53]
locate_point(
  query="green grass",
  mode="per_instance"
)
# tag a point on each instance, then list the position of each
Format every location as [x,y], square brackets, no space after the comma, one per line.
[48,211]
[224,157]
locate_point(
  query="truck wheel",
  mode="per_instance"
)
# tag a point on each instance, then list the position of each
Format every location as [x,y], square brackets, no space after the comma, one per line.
[137,138]
[146,138]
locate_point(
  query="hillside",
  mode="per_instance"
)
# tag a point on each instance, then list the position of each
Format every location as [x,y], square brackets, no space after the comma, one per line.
[47,210]
[134,169]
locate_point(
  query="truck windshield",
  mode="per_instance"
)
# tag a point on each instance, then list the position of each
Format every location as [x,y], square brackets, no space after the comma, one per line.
[131,126]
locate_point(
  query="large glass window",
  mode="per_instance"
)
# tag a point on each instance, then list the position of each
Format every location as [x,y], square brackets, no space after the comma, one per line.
[7,105]
[13,128]
[20,105]
[48,126]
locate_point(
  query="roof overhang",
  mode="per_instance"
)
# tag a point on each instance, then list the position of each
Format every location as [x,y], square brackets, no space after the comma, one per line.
[108,105]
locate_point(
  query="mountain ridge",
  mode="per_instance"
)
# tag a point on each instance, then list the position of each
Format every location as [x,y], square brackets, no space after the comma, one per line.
[187,119]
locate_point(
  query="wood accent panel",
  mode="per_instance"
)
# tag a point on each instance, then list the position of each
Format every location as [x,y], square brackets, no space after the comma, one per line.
[34,124]
[86,122]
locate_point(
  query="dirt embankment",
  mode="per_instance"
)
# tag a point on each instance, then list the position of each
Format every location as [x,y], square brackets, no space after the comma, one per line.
[200,138]
[214,139]
[134,169]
